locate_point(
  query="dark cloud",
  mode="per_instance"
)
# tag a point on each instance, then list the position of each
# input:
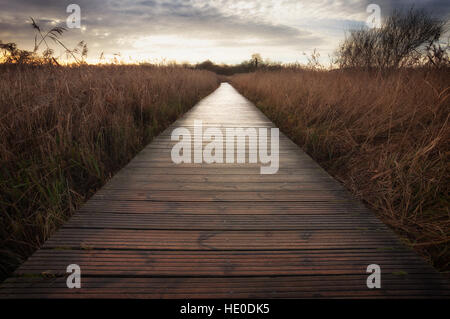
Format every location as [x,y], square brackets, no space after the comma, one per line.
[439,8]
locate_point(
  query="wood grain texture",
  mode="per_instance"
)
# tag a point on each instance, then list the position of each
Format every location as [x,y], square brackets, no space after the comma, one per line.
[163,230]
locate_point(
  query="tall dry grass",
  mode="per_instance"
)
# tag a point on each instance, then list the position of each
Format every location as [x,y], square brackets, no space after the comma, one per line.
[64,131]
[386,138]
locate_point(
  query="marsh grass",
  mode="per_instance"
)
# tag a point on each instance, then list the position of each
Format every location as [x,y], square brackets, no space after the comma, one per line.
[385,137]
[65,130]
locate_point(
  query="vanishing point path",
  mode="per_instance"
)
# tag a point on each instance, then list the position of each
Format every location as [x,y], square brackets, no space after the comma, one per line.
[161,230]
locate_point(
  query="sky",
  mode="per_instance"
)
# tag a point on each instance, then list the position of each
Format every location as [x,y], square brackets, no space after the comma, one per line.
[223,31]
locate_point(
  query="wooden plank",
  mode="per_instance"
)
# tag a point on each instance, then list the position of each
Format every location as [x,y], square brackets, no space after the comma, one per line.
[218,240]
[326,286]
[212,196]
[226,186]
[199,170]
[140,175]
[198,263]
[226,208]
[155,221]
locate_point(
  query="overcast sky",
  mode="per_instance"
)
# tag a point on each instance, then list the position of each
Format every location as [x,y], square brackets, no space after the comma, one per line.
[226,31]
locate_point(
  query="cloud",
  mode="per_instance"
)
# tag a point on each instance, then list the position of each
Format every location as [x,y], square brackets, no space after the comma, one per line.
[439,8]
[228,30]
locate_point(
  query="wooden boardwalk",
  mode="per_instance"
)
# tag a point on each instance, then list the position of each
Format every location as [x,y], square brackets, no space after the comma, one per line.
[161,230]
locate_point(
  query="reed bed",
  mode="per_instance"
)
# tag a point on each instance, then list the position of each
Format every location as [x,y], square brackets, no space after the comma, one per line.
[385,137]
[65,130]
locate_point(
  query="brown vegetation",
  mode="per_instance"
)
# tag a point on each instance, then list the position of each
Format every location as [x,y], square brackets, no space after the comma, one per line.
[385,137]
[65,130]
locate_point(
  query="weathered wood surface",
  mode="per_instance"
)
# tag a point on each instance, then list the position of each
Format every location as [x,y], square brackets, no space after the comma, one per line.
[161,230]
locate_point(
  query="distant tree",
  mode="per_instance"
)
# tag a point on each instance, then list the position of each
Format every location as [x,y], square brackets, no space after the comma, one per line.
[243,67]
[402,39]
[206,65]
[256,60]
